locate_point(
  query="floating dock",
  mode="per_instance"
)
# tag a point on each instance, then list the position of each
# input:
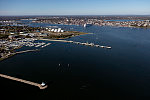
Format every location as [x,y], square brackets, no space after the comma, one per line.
[24,81]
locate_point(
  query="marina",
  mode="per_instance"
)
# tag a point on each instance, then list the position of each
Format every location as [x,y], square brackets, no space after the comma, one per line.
[19,44]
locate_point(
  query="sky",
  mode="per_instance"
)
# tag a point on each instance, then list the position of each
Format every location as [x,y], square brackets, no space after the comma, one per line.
[74,7]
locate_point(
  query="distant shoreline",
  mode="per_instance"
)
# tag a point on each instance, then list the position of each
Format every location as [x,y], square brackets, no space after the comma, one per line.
[79,15]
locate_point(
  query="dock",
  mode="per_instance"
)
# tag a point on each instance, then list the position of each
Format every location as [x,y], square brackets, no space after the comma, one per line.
[87,44]
[26,51]
[24,81]
[45,45]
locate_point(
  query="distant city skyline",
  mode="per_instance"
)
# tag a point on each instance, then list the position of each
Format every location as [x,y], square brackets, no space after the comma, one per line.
[74,7]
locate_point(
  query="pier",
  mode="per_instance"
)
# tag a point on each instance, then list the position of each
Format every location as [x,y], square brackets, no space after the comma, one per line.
[19,52]
[87,44]
[45,45]
[24,81]
[26,51]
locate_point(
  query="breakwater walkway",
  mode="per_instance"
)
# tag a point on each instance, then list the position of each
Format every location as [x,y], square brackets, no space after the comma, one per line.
[23,81]
[19,52]
[26,51]
[87,44]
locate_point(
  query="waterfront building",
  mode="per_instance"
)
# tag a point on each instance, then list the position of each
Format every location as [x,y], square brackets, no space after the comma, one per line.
[59,30]
[52,30]
[62,31]
[55,30]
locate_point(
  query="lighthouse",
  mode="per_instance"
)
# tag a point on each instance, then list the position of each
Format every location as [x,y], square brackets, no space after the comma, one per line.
[43,84]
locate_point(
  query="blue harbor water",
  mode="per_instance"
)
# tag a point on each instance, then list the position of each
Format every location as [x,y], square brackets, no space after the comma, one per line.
[75,71]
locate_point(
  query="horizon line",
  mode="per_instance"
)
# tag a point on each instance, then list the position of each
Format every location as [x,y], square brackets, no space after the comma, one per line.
[87,15]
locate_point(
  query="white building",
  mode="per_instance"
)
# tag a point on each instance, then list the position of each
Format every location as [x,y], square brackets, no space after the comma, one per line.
[55,30]
[62,31]
[59,30]
[52,30]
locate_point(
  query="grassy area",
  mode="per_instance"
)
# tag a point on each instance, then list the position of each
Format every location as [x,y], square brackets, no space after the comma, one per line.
[64,35]
[1,59]
[77,33]
[17,29]
[3,36]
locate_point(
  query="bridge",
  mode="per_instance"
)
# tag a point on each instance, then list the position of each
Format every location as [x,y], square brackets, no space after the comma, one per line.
[24,81]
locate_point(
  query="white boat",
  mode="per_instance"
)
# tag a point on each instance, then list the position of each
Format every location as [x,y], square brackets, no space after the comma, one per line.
[97,45]
[87,25]
[102,46]
[108,47]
